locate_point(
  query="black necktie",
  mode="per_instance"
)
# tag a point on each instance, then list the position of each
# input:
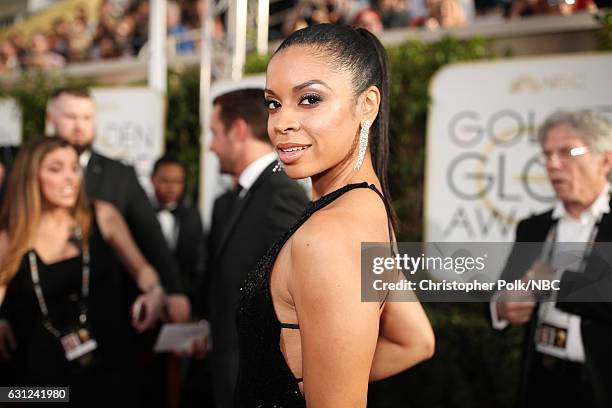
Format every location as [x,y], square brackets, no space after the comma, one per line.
[237,190]
[236,198]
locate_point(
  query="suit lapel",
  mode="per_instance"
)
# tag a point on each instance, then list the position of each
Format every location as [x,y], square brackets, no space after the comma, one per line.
[604,234]
[238,209]
[180,219]
[93,175]
[542,232]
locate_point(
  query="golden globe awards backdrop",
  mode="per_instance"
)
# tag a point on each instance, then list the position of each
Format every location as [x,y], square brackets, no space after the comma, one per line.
[130,127]
[482,170]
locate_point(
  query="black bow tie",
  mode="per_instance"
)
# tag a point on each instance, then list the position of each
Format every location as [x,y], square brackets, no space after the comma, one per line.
[171,209]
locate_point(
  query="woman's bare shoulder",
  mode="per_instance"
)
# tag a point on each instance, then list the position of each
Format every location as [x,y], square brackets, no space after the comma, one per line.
[358,215]
[333,235]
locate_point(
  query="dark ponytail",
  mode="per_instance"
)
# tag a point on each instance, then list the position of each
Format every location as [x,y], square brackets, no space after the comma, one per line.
[361,53]
[380,137]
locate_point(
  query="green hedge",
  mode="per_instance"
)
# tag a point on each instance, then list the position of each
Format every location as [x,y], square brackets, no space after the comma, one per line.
[604,35]
[473,366]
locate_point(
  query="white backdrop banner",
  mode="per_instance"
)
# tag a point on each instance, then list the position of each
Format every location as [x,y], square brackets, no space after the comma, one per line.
[482,172]
[10,122]
[130,127]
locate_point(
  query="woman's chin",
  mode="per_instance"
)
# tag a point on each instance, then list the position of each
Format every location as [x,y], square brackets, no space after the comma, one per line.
[296,172]
[67,204]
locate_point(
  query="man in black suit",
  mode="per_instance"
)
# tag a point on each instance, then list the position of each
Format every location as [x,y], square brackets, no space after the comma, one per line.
[71,112]
[245,223]
[567,354]
[182,228]
[180,224]
[7,156]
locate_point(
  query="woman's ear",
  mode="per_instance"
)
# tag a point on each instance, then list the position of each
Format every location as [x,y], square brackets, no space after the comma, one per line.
[369,102]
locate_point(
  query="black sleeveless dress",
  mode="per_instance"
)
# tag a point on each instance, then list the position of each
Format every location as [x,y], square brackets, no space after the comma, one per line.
[39,359]
[265,380]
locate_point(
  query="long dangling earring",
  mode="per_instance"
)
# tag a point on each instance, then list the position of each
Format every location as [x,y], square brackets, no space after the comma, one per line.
[364,134]
[278,167]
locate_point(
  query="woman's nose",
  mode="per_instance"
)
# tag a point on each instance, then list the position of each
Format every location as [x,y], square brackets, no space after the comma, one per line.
[285,122]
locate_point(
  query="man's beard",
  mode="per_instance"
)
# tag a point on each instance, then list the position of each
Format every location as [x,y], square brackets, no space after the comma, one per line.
[82,148]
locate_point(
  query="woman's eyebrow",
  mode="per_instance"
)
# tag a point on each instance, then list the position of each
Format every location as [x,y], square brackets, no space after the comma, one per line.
[309,83]
[269,91]
[302,86]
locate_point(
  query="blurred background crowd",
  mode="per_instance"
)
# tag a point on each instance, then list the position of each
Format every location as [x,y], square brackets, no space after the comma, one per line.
[119,28]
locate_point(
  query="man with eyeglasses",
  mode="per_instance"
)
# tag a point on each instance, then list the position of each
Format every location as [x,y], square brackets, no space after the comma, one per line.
[567,352]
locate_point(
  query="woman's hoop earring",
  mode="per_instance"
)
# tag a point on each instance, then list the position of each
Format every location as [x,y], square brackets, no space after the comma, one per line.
[364,134]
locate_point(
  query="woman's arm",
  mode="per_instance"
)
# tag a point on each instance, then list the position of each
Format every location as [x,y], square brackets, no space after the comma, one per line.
[4,246]
[338,331]
[115,231]
[405,339]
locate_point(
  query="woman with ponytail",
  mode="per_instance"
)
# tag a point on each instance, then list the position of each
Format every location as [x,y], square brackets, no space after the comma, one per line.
[306,338]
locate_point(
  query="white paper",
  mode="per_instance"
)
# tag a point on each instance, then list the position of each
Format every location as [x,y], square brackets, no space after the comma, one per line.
[178,336]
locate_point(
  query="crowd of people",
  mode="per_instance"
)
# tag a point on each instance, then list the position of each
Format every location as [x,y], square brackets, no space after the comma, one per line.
[379,15]
[121,28]
[118,32]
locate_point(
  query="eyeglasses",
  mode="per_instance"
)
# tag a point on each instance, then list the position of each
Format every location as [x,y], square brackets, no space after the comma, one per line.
[563,154]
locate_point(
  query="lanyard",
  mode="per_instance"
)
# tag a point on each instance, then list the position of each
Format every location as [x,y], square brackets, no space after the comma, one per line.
[551,239]
[41,298]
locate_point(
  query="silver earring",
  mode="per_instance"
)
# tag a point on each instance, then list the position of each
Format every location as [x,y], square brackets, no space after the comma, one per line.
[278,167]
[364,134]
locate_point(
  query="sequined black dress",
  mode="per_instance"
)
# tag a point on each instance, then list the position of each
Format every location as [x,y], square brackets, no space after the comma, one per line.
[265,379]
